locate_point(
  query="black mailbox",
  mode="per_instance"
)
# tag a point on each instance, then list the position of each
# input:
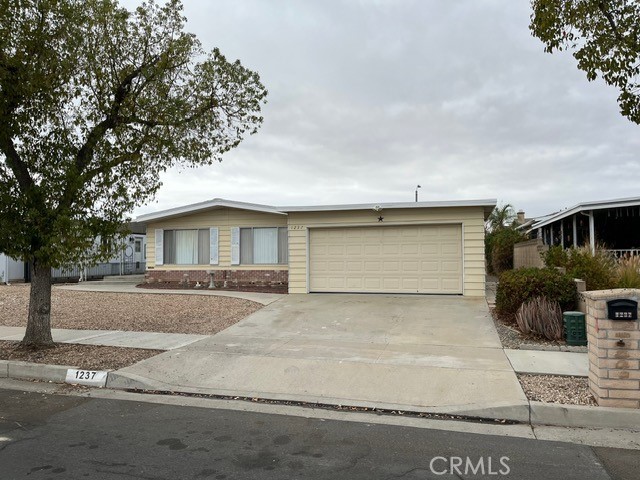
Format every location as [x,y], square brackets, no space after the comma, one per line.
[622,309]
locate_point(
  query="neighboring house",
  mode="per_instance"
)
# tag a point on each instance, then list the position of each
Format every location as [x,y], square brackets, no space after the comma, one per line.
[416,247]
[610,224]
[11,270]
[130,259]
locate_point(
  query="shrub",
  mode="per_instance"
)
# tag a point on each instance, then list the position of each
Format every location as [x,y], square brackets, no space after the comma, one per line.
[540,316]
[556,256]
[628,273]
[517,286]
[502,243]
[598,271]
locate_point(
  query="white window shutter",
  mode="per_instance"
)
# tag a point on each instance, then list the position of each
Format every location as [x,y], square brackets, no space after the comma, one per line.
[235,245]
[213,246]
[159,246]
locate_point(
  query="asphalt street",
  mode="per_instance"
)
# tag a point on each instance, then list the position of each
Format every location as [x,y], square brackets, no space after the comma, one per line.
[51,436]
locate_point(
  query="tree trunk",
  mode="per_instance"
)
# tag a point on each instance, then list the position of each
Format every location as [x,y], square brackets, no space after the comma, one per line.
[38,332]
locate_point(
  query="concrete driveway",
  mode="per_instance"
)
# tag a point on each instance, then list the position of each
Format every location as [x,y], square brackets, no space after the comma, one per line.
[423,353]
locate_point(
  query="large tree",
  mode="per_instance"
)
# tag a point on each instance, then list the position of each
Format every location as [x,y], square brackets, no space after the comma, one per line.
[604,36]
[96,102]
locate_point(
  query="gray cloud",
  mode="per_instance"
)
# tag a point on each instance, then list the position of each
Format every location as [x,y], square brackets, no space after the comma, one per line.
[369,98]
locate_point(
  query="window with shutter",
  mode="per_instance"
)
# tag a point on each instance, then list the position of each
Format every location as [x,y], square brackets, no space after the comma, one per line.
[213,246]
[159,246]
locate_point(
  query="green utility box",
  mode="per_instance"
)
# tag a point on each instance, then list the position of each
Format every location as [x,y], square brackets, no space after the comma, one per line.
[575,329]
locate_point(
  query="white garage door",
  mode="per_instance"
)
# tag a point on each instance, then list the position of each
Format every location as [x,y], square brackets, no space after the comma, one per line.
[406,259]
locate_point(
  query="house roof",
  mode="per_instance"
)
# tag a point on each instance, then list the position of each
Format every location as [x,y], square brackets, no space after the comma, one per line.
[587,206]
[209,204]
[488,205]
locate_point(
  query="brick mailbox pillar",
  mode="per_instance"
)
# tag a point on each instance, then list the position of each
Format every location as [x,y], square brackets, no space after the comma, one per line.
[614,347]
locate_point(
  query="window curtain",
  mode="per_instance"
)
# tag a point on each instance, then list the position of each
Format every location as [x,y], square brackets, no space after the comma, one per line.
[186,247]
[265,245]
[169,248]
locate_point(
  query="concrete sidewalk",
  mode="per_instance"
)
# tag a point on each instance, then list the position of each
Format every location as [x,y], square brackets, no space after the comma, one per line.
[120,287]
[111,338]
[548,362]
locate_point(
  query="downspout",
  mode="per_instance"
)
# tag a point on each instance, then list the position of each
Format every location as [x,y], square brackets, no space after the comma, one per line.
[575,232]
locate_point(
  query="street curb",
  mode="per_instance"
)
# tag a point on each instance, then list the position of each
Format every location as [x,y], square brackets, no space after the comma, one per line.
[512,412]
[540,414]
[583,416]
[37,371]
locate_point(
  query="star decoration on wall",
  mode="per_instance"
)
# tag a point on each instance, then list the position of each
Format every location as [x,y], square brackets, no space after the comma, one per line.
[380,218]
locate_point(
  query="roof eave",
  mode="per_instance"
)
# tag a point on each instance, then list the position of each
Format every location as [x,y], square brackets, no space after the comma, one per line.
[486,203]
[587,206]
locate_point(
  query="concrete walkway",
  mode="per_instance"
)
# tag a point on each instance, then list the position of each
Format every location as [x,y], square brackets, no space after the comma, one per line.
[121,287]
[548,362]
[111,338]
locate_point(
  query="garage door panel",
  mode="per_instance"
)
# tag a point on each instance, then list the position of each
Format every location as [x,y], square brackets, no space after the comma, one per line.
[450,249]
[391,267]
[409,248]
[390,249]
[451,284]
[355,267]
[392,283]
[450,267]
[429,284]
[402,259]
[429,249]
[430,267]
[372,283]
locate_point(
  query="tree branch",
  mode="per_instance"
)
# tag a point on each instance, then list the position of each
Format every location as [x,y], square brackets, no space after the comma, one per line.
[15,163]
[605,11]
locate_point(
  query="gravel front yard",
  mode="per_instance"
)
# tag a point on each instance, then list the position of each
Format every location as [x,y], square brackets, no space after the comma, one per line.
[556,389]
[89,357]
[196,314]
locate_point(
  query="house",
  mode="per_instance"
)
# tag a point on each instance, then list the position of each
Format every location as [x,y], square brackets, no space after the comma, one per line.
[11,270]
[413,247]
[128,258]
[610,224]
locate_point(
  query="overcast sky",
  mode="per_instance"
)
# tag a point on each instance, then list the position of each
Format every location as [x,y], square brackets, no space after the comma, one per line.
[369,98]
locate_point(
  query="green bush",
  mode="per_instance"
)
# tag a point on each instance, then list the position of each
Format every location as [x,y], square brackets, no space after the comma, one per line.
[502,243]
[517,286]
[628,273]
[598,271]
[556,256]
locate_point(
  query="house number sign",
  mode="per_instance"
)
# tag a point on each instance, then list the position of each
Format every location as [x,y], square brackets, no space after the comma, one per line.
[94,378]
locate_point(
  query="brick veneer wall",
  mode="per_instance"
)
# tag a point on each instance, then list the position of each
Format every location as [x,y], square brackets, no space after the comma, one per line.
[232,277]
[614,368]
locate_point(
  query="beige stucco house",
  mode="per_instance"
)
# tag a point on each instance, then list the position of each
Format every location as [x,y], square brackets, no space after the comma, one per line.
[412,247]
